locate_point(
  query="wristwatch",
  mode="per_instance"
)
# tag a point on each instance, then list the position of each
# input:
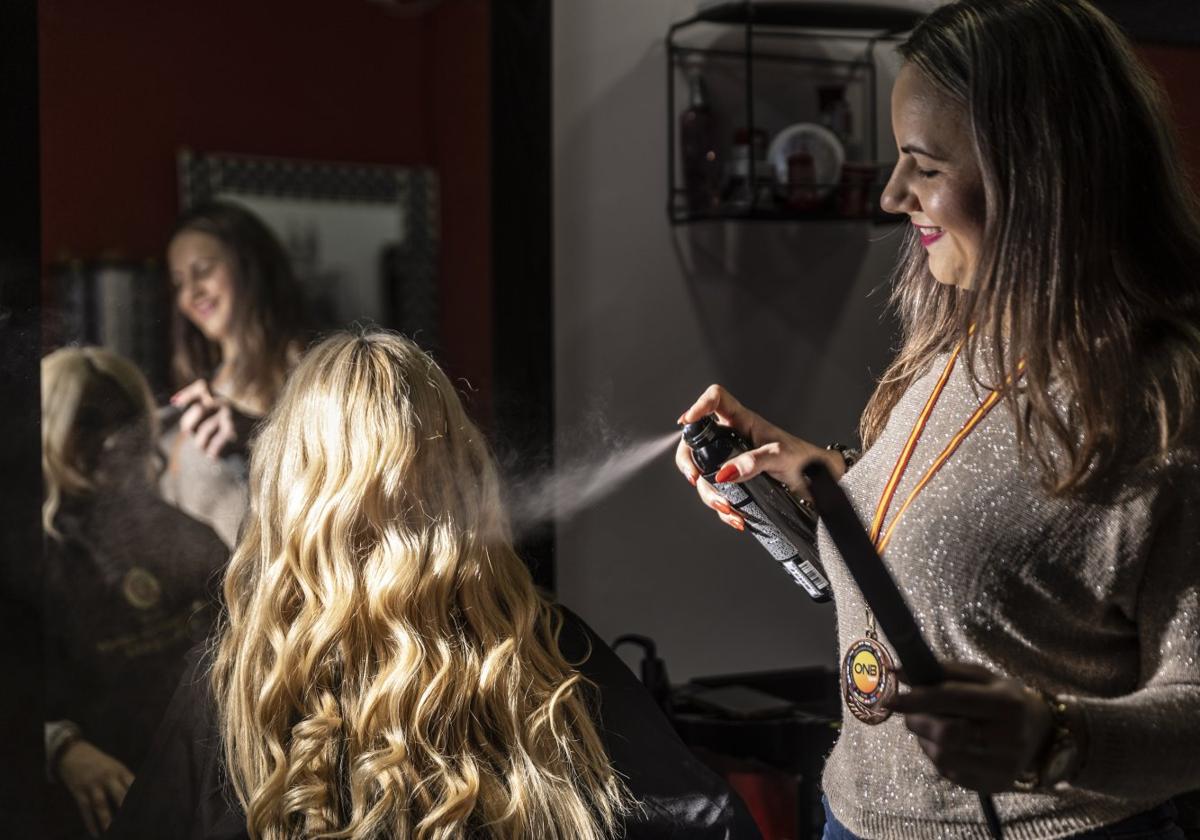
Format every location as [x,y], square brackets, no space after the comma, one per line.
[849,454]
[1059,759]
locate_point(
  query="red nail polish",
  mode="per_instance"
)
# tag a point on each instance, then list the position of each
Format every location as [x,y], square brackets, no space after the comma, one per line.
[737,523]
[726,473]
[724,508]
[692,479]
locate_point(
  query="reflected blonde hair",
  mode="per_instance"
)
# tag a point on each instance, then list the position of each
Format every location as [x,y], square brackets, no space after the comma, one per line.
[95,405]
[386,667]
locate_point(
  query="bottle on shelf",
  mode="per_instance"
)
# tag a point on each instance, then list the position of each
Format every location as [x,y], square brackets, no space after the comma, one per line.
[837,117]
[751,180]
[856,193]
[802,191]
[858,175]
[698,149]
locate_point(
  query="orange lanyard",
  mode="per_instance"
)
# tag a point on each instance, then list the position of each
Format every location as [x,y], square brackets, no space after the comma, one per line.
[889,490]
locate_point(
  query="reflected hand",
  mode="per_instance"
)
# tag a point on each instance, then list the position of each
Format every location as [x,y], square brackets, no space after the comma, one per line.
[96,781]
[211,420]
[980,730]
[778,454]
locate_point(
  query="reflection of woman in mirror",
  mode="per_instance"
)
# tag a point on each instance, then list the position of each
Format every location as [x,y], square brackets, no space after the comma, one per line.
[126,580]
[386,667]
[237,332]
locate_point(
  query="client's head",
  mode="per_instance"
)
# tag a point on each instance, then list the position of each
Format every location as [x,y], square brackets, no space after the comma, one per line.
[387,667]
[98,426]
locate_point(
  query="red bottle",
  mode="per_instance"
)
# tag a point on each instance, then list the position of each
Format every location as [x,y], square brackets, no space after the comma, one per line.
[698,150]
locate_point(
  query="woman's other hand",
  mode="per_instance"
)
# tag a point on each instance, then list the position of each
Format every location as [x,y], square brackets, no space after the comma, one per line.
[980,730]
[211,420]
[778,454]
[96,781]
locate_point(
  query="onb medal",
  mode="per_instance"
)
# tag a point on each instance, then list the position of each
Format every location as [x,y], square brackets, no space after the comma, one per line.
[868,680]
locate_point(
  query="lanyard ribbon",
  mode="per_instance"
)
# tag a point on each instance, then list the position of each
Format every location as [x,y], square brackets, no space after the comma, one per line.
[880,537]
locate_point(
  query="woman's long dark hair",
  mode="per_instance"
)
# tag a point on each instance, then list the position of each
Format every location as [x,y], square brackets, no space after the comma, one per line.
[1090,264]
[268,312]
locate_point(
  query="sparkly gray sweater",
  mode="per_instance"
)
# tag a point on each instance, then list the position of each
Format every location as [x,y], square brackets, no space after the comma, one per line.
[1095,602]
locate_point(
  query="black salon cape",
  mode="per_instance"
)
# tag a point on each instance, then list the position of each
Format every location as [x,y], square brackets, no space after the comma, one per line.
[178,792]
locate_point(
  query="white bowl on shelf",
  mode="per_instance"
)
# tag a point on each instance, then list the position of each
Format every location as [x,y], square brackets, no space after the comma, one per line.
[820,143]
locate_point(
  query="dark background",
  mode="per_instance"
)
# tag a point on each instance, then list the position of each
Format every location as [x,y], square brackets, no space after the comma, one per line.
[98,97]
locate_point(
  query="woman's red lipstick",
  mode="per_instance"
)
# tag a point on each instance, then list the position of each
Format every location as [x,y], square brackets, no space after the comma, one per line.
[928,238]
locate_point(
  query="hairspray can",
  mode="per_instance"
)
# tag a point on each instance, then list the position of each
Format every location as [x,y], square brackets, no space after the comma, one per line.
[784,527]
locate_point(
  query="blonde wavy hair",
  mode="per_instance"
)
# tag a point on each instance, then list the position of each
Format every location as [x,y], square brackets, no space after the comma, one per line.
[386,667]
[96,405]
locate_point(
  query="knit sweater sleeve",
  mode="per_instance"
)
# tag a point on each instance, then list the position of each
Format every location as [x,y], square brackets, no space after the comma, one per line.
[1144,744]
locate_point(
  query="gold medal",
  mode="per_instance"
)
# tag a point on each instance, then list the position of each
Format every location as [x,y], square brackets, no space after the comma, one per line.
[140,588]
[868,680]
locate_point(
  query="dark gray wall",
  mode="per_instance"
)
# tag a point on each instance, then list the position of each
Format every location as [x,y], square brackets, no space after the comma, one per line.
[646,316]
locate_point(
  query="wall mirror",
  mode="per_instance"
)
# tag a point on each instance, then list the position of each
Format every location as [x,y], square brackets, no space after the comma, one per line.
[362,239]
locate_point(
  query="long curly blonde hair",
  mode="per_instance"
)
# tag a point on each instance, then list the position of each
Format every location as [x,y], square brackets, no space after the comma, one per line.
[386,667]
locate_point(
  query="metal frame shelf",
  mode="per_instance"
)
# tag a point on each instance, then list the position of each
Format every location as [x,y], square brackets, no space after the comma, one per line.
[763,22]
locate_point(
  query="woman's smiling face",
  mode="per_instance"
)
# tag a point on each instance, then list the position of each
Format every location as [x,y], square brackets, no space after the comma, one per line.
[202,275]
[936,182]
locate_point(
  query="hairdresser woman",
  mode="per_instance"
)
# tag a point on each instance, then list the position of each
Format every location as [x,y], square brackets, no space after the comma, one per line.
[1030,466]
[129,585]
[238,329]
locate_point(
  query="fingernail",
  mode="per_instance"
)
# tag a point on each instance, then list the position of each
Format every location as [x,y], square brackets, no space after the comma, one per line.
[724,508]
[737,523]
[679,422]
[692,479]
[727,473]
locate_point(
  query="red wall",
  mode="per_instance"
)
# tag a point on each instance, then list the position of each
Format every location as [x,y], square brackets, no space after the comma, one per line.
[459,35]
[126,83]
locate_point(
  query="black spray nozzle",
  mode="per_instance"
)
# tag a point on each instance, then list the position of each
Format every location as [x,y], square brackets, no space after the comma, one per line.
[701,432]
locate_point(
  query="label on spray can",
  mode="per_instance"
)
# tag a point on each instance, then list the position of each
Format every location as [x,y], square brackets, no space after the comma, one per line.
[802,571]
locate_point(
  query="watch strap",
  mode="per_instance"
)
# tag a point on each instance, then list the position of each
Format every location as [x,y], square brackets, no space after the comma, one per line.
[60,735]
[1058,761]
[849,454]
